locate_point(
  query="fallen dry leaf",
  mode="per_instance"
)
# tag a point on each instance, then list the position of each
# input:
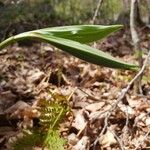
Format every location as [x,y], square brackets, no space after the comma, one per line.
[83,144]
[107,139]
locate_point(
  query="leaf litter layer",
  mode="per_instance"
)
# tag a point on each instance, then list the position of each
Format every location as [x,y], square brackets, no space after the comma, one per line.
[30,74]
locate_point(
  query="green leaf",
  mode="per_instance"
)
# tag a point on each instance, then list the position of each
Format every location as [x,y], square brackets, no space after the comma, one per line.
[85,52]
[77,49]
[81,33]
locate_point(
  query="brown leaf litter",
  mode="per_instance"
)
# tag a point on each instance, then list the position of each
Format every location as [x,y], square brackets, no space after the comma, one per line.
[28,74]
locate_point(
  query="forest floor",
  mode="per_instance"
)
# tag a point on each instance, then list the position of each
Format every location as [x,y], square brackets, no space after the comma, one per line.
[41,72]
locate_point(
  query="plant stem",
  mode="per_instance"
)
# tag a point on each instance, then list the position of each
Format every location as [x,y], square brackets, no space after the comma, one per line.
[7,42]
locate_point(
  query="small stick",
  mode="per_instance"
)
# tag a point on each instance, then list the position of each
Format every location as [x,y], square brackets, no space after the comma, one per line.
[92,97]
[141,141]
[118,140]
[96,11]
[123,93]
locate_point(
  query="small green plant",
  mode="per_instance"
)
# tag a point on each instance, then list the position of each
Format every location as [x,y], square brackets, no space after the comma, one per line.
[47,134]
[72,39]
[28,140]
[52,114]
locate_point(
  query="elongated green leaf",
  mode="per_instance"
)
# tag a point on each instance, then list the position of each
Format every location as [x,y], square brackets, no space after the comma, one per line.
[86,52]
[77,49]
[81,33]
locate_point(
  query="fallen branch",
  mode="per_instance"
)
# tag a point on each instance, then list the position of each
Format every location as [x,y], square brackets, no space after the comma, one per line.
[120,98]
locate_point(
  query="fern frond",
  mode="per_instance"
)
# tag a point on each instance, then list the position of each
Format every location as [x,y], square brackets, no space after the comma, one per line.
[53,141]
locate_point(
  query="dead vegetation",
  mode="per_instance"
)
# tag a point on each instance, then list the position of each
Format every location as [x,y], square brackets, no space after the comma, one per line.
[98,119]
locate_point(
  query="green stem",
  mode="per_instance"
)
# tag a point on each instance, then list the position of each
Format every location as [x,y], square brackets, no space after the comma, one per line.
[8,41]
[58,117]
[16,38]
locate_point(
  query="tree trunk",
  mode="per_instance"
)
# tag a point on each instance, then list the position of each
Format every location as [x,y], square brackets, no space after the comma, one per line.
[125,13]
[138,19]
[136,40]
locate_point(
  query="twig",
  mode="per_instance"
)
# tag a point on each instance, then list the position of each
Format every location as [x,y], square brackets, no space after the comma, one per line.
[141,141]
[127,117]
[136,121]
[92,97]
[125,131]
[71,94]
[96,11]
[89,95]
[118,140]
[123,93]
[82,129]
[95,15]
